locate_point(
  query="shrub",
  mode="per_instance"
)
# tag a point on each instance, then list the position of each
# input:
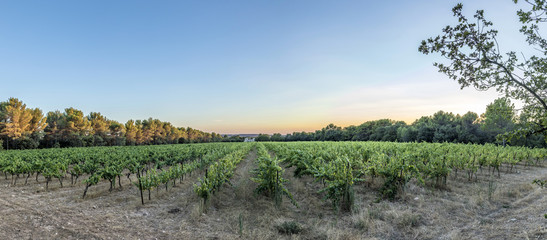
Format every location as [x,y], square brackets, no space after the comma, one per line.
[289,227]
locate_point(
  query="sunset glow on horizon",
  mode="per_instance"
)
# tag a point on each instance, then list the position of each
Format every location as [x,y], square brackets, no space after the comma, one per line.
[237,67]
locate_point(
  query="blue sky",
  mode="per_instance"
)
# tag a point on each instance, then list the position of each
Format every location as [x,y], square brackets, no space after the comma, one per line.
[237,66]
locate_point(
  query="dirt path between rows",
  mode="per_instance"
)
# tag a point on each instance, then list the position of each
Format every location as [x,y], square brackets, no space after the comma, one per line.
[509,208]
[517,211]
[30,212]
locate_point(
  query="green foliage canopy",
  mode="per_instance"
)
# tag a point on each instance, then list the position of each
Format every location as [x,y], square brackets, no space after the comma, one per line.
[475,60]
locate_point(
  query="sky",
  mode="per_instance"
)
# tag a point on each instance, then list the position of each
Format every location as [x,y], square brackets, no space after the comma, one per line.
[238,66]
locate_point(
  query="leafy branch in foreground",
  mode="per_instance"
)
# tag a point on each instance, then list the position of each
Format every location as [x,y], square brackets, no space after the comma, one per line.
[475,60]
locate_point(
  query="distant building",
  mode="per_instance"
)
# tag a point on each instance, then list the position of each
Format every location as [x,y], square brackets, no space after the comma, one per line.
[249,139]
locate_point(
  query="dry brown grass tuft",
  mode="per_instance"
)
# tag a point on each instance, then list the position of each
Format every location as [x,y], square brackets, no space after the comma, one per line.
[196,212]
[513,209]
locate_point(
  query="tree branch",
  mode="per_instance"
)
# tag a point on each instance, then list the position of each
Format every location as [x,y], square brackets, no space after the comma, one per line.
[511,78]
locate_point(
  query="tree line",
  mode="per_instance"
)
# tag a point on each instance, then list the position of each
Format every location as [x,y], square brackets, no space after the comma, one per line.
[473,58]
[27,128]
[499,119]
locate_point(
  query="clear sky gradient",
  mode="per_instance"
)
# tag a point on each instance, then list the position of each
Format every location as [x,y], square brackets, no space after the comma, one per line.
[238,66]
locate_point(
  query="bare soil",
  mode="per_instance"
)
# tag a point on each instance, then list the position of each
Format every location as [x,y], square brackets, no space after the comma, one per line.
[509,207]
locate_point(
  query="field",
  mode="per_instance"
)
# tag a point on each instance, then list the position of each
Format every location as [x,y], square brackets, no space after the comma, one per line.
[352,190]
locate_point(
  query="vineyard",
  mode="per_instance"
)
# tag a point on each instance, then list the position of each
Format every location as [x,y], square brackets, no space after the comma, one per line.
[331,182]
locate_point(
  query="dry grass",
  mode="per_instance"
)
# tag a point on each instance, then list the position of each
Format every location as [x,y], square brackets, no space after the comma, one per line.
[509,207]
